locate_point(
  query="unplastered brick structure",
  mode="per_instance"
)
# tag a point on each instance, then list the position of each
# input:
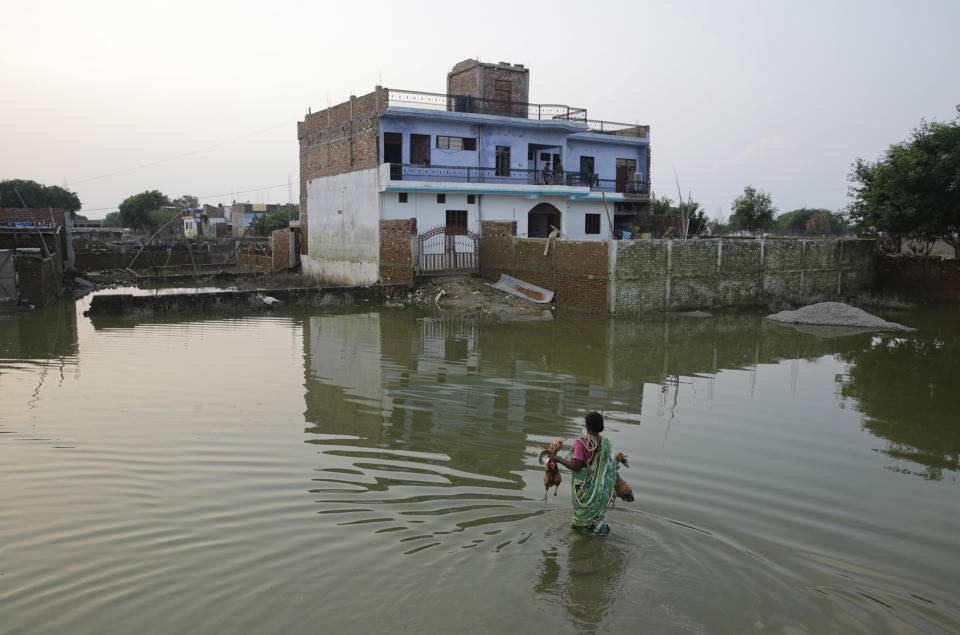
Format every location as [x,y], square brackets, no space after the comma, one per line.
[499,88]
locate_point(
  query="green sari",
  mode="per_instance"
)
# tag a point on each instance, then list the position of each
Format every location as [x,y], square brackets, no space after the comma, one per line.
[592,490]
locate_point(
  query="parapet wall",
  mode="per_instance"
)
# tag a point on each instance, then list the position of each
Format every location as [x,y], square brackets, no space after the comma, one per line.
[635,276]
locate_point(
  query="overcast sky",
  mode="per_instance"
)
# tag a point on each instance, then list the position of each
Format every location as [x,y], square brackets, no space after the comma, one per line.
[202,98]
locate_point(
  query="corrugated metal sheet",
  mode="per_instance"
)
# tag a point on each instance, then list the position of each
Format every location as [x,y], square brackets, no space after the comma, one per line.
[521,289]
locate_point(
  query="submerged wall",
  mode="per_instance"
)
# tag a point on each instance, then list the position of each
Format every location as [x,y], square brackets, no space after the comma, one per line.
[634,276]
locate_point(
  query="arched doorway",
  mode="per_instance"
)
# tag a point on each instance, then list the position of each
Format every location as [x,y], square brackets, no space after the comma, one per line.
[540,219]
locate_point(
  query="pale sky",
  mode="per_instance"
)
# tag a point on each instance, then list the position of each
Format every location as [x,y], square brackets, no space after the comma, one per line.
[114,98]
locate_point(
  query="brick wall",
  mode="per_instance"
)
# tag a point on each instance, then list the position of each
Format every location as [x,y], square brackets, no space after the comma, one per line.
[339,139]
[464,79]
[396,251]
[498,229]
[576,270]
[479,79]
[677,275]
[254,260]
[283,243]
[36,277]
[925,279]
[37,215]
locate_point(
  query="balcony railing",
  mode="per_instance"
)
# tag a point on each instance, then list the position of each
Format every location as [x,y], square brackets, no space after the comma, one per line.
[514,176]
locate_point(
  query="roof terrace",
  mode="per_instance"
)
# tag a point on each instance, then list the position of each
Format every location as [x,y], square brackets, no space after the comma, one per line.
[522,110]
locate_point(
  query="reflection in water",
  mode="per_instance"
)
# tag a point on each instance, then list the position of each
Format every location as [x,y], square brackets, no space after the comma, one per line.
[378,469]
[47,333]
[586,574]
[45,338]
[906,388]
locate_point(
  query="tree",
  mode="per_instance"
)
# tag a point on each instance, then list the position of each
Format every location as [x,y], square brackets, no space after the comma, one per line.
[36,195]
[112,219]
[264,224]
[660,206]
[697,221]
[752,211]
[913,190]
[135,210]
[818,225]
[187,201]
[796,223]
[697,218]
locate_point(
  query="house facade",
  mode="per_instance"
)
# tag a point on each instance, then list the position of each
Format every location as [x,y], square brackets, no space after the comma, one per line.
[403,180]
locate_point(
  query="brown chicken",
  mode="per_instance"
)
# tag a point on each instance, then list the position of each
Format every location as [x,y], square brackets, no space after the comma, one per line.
[551,476]
[620,489]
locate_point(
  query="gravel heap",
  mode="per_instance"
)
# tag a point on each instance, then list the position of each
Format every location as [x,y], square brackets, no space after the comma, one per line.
[836,314]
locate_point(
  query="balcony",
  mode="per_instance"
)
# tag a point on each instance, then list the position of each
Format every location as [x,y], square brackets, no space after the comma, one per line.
[522,110]
[515,176]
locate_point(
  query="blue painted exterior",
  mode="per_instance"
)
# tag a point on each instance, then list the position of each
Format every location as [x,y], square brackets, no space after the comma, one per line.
[249,216]
[568,139]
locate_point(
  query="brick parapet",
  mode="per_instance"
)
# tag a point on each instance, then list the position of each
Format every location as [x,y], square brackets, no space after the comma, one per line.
[340,139]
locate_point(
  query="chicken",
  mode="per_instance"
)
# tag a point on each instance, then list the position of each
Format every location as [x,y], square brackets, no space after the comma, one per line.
[620,489]
[551,476]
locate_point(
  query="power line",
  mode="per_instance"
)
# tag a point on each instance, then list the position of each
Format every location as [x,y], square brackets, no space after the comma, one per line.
[203,198]
[180,156]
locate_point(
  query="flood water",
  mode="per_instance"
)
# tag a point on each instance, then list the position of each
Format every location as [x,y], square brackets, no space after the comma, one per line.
[309,471]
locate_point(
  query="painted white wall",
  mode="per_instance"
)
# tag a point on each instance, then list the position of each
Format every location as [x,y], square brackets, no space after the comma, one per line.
[424,207]
[495,207]
[343,228]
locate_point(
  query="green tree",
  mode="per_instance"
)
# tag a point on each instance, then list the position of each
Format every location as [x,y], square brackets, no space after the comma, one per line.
[112,219]
[795,223]
[913,190]
[187,201]
[264,224]
[135,210]
[698,221]
[36,195]
[661,206]
[752,211]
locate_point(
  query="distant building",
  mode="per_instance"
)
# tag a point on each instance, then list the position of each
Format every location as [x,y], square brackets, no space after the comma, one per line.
[381,170]
[242,214]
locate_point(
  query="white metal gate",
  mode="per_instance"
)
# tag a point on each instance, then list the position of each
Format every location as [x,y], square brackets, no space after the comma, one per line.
[449,249]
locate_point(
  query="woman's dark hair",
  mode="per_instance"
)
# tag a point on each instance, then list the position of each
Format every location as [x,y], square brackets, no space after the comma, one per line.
[595,422]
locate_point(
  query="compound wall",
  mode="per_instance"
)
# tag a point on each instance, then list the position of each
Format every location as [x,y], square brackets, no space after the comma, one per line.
[635,276]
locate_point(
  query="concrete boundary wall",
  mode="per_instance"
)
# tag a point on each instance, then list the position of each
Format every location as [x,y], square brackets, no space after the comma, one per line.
[636,276]
[677,275]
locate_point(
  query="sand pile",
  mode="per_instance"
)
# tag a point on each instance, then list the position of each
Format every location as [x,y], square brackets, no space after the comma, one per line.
[836,314]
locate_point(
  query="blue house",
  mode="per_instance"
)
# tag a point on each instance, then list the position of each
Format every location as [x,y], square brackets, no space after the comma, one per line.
[477,158]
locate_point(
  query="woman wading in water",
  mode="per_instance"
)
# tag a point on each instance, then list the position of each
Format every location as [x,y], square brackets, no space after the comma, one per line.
[594,470]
